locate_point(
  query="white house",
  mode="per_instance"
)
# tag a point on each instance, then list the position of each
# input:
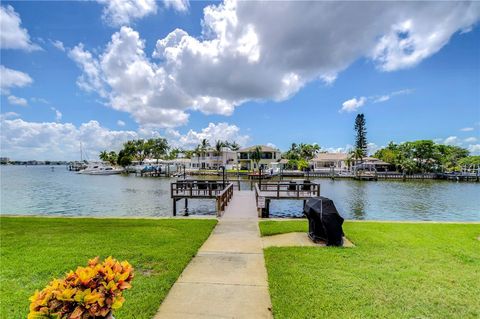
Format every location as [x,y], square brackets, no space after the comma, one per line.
[267,155]
[339,161]
[211,159]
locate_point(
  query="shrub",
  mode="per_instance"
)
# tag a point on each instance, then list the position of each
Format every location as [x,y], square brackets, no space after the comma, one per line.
[92,291]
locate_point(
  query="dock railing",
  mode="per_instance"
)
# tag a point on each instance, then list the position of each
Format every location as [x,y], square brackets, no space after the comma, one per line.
[287,189]
[291,190]
[223,198]
[196,188]
[201,189]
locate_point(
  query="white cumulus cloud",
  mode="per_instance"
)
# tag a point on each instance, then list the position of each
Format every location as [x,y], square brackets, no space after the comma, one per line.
[347,148]
[469,143]
[467,129]
[8,115]
[10,78]
[15,100]
[12,35]
[353,104]
[58,114]
[474,149]
[212,133]
[452,140]
[177,5]
[58,44]
[123,12]
[23,140]
[245,54]
[50,140]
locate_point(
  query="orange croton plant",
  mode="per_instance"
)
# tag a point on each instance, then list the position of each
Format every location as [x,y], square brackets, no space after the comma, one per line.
[88,292]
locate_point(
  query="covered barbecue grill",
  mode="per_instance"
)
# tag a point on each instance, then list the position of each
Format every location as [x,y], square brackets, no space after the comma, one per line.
[324,221]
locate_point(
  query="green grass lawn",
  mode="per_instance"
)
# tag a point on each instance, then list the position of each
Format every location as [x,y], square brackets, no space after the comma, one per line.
[396,270]
[36,250]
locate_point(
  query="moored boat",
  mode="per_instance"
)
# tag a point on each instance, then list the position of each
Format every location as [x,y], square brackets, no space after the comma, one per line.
[101,169]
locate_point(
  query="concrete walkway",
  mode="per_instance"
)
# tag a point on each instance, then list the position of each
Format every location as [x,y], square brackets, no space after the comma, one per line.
[227,278]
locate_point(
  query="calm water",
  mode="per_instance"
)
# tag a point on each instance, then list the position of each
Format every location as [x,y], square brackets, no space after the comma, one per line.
[39,190]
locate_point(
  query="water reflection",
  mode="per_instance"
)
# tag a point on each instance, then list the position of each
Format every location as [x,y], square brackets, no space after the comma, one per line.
[38,190]
[358,200]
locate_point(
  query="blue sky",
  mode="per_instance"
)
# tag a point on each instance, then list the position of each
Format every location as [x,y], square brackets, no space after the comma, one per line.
[248,80]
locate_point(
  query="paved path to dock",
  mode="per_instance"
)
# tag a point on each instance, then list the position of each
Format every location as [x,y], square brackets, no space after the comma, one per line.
[227,278]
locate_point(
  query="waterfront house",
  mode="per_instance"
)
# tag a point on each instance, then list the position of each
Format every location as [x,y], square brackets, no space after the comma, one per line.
[267,154]
[340,162]
[211,159]
[183,162]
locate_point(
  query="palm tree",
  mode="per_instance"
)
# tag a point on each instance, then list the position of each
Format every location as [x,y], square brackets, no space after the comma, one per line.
[112,158]
[158,147]
[308,151]
[189,153]
[293,153]
[256,155]
[234,146]
[141,149]
[205,144]
[198,151]
[357,154]
[349,161]
[218,150]
[202,148]
[103,156]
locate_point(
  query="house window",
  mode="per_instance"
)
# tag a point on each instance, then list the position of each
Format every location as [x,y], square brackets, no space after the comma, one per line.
[243,155]
[266,155]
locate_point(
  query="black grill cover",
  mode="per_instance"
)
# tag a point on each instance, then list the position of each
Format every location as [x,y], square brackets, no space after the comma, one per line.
[324,221]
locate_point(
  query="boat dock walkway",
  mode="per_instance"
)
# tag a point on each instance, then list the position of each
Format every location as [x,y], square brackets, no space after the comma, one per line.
[227,278]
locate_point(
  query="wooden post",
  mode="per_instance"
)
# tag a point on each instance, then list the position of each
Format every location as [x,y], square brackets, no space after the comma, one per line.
[278,190]
[174,207]
[219,213]
[186,206]
[267,208]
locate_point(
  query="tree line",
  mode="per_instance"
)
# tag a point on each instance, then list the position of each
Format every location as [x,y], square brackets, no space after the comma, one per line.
[410,157]
[420,156]
[426,156]
[158,148]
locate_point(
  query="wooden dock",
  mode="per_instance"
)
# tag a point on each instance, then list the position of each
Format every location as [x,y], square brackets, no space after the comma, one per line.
[221,191]
[286,190]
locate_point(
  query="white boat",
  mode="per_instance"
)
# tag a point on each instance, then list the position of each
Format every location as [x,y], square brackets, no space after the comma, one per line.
[101,169]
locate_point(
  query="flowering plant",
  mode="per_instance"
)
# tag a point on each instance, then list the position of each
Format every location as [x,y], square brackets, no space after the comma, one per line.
[88,292]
